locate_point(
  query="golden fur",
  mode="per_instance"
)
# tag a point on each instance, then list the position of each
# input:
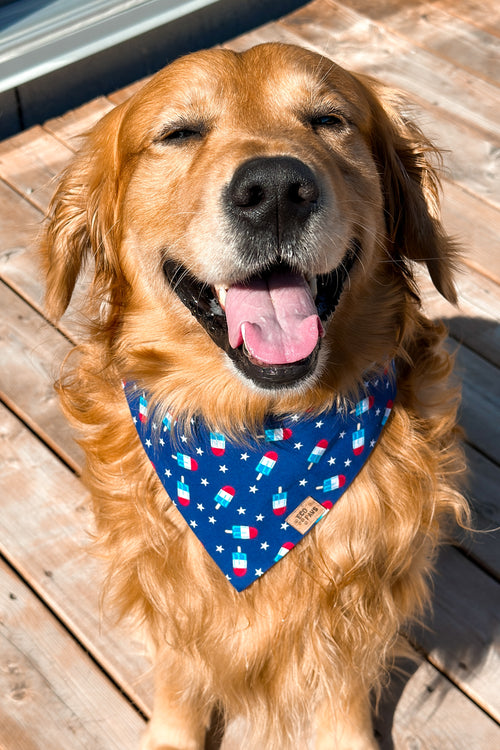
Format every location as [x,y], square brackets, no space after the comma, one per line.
[300,651]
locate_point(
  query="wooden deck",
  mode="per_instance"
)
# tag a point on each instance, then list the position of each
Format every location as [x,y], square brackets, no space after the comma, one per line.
[70,681]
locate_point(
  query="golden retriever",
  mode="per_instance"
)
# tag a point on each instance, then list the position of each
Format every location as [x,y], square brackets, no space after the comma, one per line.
[278,175]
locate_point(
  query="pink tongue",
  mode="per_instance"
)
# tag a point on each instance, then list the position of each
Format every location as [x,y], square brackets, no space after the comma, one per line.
[275,317]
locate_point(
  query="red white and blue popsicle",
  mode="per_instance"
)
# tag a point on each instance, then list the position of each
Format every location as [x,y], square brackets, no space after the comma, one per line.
[332,483]
[143,409]
[388,410]
[186,462]
[317,453]
[279,502]
[224,496]
[243,532]
[266,464]
[168,421]
[240,563]
[217,443]
[183,495]
[280,433]
[364,405]
[358,441]
[284,549]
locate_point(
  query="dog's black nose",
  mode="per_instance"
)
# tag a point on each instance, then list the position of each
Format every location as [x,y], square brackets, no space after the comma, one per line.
[273,192]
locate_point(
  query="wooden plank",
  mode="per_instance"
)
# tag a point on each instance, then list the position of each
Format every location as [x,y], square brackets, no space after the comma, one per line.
[476,12]
[30,355]
[52,695]
[474,223]
[480,402]
[423,710]
[475,321]
[483,545]
[44,532]
[30,162]
[19,225]
[462,636]
[441,32]
[70,127]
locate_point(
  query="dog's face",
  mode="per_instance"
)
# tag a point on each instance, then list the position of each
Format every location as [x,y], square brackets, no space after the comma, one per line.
[262,202]
[253,193]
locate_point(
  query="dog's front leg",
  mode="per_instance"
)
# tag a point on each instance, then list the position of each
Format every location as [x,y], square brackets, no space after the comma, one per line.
[350,728]
[180,718]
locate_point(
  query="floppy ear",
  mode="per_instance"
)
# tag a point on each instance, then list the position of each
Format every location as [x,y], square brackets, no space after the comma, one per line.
[411,186]
[81,221]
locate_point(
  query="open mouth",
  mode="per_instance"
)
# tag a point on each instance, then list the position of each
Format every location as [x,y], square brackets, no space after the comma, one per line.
[270,324]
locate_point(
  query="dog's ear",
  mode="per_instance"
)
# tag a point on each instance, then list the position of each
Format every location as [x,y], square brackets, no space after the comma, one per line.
[411,187]
[81,222]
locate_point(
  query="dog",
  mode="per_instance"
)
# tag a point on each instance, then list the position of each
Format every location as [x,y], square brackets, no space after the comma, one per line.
[250,223]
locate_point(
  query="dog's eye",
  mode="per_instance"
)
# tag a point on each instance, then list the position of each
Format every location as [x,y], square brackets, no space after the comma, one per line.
[327,121]
[179,134]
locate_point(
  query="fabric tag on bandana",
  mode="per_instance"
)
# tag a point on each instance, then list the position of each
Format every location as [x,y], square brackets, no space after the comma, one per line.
[251,503]
[306,515]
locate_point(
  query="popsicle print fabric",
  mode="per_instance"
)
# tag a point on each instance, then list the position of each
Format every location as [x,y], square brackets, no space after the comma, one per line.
[250,504]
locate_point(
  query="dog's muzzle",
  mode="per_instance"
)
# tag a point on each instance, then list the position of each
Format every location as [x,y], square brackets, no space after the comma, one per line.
[270,323]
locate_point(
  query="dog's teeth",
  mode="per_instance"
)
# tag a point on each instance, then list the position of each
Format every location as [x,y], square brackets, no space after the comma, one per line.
[313,284]
[221,292]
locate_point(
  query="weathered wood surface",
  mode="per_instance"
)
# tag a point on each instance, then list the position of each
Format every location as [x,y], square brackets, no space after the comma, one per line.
[52,694]
[444,56]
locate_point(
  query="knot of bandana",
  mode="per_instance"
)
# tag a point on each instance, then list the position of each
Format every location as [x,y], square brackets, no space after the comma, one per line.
[250,502]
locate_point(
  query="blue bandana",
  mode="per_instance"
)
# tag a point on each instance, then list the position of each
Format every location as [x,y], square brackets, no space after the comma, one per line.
[250,503]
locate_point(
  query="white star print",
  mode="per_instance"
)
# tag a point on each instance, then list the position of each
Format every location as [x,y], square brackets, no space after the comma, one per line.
[260,517]
[372,443]
[319,424]
[219,548]
[377,412]
[184,439]
[200,506]
[241,511]
[253,489]
[264,545]
[223,468]
[331,461]
[204,482]
[168,473]
[193,524]
[148,443]
[284,526]
[303,482]
[200,451]
[347,462]
[298,446]
[212,520]
[342,434]
[295,418]
[162,442]
[244,457]
[259,572]
[134,420]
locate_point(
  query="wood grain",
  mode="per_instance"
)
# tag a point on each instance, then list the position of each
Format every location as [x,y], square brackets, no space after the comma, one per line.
[52,693]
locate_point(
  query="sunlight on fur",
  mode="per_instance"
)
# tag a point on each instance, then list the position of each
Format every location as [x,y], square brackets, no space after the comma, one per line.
[299,654]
